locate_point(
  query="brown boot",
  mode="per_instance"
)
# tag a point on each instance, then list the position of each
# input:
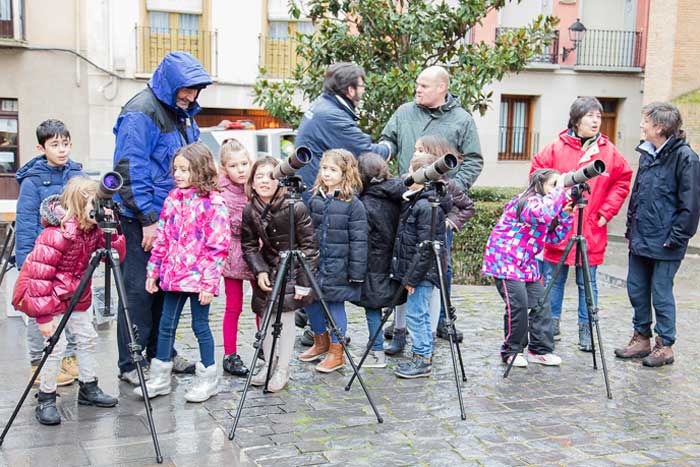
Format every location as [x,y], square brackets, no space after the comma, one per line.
[638,347]
[660,356]
[318,350]
[334,360]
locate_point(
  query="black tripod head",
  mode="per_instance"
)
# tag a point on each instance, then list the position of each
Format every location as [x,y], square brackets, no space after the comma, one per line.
[105,208]
[577,192]
[438,188]
[293,184]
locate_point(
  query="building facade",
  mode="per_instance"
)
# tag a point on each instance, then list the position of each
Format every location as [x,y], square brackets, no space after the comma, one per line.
[126,39]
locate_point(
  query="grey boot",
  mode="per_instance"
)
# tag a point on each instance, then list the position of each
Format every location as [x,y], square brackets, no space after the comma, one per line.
[397,343]
[556,332]
[584,338]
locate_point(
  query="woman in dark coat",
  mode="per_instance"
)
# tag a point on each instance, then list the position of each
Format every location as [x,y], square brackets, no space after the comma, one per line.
[382,198]
[340,222]
[265,232]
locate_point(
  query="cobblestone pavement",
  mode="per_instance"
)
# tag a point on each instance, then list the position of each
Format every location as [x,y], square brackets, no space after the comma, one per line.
[538,416]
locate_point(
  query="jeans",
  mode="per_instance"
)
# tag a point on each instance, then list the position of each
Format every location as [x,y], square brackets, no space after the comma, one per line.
[418,319]
[448,273]
[556,294]
[650,281]
[317,319]
[36,342]
[522,320]
[374,322]
[145,309]
[172,307]
[80,325]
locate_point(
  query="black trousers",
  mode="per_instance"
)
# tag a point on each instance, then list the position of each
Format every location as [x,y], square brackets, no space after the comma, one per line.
[145,309]
[523,325]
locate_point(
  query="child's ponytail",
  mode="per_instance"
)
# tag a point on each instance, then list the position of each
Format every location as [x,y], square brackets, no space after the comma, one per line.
[536,186]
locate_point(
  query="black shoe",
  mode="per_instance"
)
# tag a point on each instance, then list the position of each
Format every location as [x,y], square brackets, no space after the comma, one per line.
[397,343]
[182,365]
[46,412]
[91,394]
[416,368]
[300,319]
[234,365]
[389,332]
[442,332]
[307,337]
[584,338]
[556,331]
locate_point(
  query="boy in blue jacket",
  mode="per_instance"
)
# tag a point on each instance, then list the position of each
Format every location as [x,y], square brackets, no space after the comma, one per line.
[41,177]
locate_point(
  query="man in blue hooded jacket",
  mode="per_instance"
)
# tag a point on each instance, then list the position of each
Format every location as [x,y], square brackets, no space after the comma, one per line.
[152,126]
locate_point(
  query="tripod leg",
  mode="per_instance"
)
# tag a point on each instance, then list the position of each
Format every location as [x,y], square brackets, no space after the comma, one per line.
[580,248]
[385,317]
[277,291]
[277,326]
[52,341]
[335,330]
[593,313]
[134,348]
[452,332]
[6,263]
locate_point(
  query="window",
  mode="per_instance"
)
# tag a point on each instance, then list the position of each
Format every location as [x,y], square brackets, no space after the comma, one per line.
[169,31]
[6,26]
[9,132]
[516,140]
[279,46]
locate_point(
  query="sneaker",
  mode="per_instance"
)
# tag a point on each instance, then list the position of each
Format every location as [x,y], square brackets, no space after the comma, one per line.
[375,359]
[548,359]
[70,366]
[182,365]
[132,377]
[519,362]
[234,365]
[417,368]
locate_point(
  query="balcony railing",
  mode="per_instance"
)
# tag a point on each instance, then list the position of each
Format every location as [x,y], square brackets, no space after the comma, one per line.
[550,54]
[155,43]
[278,56]
[610,49]
[517,143]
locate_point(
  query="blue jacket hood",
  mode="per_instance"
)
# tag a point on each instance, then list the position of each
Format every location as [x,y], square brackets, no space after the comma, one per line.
[178,70]
[40,165]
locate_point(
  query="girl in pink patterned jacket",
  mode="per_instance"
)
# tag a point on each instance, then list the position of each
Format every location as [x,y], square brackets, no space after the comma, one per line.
[540,214]
[235,168]
[191,245]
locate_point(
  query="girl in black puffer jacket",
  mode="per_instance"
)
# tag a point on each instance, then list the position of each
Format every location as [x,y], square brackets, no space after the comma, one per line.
[340,222]
[382,198]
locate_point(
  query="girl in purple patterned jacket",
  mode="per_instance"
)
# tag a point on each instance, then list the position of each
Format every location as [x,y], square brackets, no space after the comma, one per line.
[542,213]
[191,245]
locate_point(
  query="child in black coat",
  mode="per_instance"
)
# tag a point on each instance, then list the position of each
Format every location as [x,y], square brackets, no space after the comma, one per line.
[418,278]
[340,222]
[382,197]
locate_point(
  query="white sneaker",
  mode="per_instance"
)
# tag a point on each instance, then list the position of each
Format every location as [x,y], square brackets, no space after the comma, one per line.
[548,359]
[132,376]
[375,359]
[519,362]
[206,384]
[159,383]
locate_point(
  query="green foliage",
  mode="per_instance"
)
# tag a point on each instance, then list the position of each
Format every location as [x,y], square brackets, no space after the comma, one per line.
[393,41]
[469,244]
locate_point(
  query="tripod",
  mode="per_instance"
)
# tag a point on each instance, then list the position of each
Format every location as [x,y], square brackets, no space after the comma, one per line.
[435,249]
[579,241]
[284,274]
[110,257]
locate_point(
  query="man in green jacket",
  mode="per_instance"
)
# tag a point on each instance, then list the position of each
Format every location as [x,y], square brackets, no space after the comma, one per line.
[435,112]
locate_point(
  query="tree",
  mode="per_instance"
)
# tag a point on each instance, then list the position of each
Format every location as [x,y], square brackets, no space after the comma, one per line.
[393,40]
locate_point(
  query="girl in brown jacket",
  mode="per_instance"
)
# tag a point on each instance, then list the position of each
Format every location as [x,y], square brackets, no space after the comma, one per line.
[264,234]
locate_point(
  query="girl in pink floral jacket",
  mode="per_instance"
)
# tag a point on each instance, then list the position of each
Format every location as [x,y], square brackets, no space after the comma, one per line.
[540,214]
[235,168]
[188,254]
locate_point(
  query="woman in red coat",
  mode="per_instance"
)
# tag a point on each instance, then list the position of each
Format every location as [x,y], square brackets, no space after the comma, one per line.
[47,282]
[575,147]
